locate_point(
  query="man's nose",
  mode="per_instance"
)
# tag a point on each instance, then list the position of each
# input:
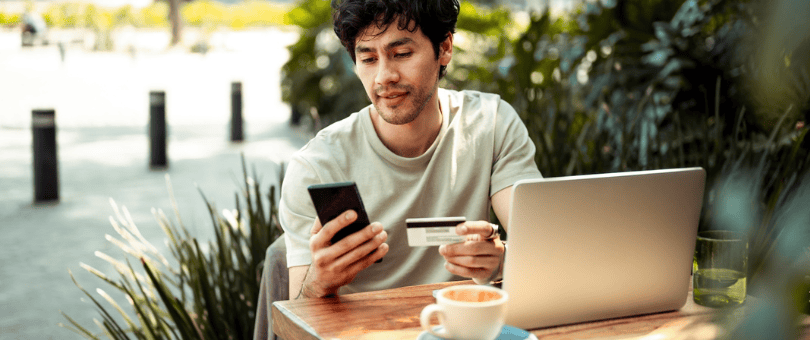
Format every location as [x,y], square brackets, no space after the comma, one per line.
[387,73]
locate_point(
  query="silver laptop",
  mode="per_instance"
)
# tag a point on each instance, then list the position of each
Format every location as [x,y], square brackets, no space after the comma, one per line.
[584,248]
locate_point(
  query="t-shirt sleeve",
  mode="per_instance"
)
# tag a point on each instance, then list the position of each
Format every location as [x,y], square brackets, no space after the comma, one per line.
[296,211]
[513,152]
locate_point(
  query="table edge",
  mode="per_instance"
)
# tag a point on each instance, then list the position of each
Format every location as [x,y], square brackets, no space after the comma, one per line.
[307,331]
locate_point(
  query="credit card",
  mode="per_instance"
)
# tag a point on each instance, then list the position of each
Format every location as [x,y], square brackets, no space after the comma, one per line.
[433,231]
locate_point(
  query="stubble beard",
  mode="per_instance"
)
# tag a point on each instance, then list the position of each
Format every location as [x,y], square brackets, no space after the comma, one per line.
[399,115]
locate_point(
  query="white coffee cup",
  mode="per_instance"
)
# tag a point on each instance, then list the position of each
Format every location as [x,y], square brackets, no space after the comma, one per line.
[467,312]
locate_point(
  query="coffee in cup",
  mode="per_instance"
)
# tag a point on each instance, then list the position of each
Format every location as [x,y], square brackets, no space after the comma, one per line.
[467,312]
[471,295]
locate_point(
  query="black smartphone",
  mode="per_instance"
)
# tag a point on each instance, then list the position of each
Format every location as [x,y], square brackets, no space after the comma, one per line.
[333,199]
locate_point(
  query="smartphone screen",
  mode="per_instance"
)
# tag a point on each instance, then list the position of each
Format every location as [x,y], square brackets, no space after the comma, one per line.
[333,199]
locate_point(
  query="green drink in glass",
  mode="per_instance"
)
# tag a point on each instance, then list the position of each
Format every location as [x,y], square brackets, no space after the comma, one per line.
[720,267]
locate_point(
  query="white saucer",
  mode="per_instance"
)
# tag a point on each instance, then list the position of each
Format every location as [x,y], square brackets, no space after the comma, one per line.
[507,333]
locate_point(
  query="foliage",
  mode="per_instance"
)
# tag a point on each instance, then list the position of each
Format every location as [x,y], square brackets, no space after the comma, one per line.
[540,80]
[9,19]
[203,12]
[242,15]
[614,94]
[318,81]
[482,38]
[256,13]
[154,15]
[206,294]
[779,268]
[200,13]
[779,77]
[65,15]
[86,15]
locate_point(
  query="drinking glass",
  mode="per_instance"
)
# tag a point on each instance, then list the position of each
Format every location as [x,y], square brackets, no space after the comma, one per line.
[720,267]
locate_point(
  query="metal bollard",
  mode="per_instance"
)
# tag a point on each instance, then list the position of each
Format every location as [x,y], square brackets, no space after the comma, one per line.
[236,112]
[157,129]
[46,180]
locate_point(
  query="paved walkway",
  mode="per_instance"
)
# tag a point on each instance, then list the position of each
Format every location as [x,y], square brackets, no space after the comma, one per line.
[100,102]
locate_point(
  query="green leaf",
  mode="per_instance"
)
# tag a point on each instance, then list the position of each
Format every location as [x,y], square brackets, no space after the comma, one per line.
[176,311]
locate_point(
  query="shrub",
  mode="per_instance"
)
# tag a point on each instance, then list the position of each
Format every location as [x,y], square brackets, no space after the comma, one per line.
[318,81]
[199,294]
[204,12]
[256,14]
[154,15]
[66,15]
[9,19]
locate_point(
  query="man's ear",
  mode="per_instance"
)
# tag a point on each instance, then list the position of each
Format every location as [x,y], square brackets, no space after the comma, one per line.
[446,50]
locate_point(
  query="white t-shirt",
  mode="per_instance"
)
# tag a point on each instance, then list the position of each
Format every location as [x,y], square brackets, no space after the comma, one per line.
[482,148]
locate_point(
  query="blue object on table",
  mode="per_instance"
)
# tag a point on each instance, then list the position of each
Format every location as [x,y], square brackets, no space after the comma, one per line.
[507,333]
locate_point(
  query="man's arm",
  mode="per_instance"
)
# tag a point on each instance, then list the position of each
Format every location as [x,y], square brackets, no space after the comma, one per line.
[501,203]
[297,275]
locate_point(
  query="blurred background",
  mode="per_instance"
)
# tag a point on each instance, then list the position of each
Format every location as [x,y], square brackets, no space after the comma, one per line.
[602,85]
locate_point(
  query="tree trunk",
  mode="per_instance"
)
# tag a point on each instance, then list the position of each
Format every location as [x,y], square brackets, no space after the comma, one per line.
[174,19]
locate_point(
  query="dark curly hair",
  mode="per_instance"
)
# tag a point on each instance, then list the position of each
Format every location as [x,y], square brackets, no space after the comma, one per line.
[436,18]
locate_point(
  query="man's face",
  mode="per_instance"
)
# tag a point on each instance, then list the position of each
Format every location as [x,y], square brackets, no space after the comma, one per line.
[399,71]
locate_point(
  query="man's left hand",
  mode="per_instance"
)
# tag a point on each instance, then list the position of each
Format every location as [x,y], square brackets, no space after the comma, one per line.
[479,256]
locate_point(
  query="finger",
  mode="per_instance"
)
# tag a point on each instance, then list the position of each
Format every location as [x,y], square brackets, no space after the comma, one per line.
[353,247]
[467,272]
[362,236]
[480,262]
[362,250]
[484,247]
[352,269]
[369,259]
[324,236]
[475,237]
[482,228]
[337,258]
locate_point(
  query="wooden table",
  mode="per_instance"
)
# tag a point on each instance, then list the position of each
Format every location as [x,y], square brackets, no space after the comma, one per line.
[394,314]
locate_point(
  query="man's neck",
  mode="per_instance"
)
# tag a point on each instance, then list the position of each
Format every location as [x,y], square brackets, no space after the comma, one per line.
[412,139]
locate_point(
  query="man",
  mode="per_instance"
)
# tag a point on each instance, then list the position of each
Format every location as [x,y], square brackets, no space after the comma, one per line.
[417,151]
[34,29]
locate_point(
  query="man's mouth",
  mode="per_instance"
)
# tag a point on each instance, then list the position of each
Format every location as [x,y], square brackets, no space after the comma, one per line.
[392,99]
[392,95]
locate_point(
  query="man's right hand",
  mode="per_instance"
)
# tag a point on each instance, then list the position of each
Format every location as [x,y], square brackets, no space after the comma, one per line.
[335,265]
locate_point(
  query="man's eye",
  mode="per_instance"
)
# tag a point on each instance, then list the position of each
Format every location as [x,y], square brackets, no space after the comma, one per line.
[367,60]
[403,55]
